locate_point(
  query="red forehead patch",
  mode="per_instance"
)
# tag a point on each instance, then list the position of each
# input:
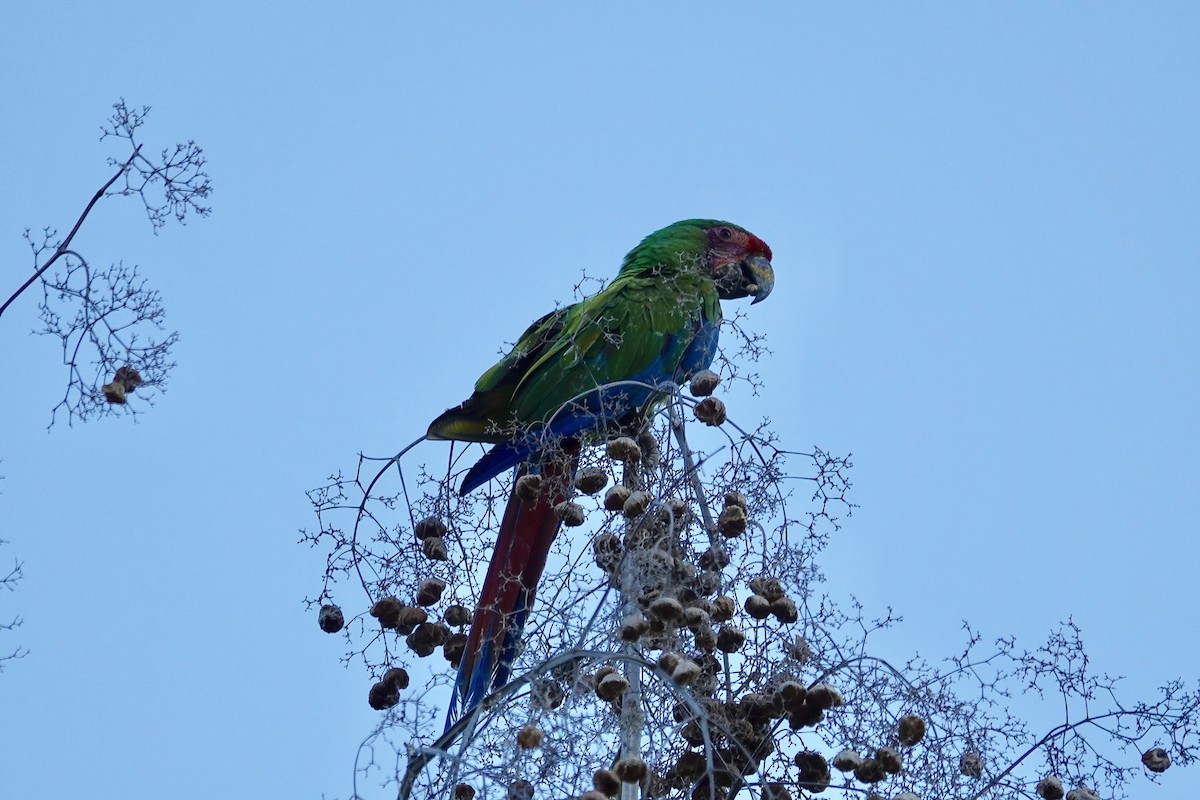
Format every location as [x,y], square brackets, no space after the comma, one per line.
[757,246]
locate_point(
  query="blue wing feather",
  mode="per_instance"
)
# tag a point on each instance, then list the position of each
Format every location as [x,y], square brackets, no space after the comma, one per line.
[596,410]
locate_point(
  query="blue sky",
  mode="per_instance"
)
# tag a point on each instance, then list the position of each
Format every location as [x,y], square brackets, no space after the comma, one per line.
[986,226]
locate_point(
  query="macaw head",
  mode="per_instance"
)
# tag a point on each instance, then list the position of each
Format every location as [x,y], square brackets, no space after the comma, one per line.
[738,261]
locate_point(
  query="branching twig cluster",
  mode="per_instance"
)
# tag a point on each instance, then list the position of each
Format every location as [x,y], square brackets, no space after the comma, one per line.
[9,581]
[109,322]
[682,646]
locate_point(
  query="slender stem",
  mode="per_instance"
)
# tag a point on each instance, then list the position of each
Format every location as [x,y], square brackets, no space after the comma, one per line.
[64,246]
[632,717]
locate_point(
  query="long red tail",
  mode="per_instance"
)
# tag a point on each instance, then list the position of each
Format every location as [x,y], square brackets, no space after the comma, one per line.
[522,545]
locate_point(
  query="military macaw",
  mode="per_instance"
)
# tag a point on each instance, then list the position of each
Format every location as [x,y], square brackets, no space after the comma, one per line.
[572,374]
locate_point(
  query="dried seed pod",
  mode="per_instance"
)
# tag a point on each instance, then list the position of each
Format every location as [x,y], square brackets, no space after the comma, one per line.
[732,521]
[571,513]
[1156,759]
[591,480]
[427,637]
[703,383]
[847,761]
[464,791]
[768,587]
[520,789]
[758,606]
[454,648]
[711,411]
[1082,793]
[707,582]
[387,611]
[529,737]
[434,548]
[695,617]
[409,618]
[396,677]
[970,764]
[114,392]
[1050,788]
[383,696]
[814,771]
[594,680]
[685,671]
[606,782]
[679,509]
[593,794]
[792,692]
[436,632]
[668,662]
[331,619]
[666,608]
[634,627]
[776,791]
[692,733]
[690,766]
[711,558]
[614,498]
[430,526]
[785,610]
[757,709]
[690,599]
[911,730]
[611,686]
[870,771]
[733,498]
[430,591]
[637,504]
[730,639]
[723,608]
[823,696]
[608,549]
[128,377]
[624,448]
[630,770]
[706,638]
[457,616]
[805,714]
[528,487]
[889,759]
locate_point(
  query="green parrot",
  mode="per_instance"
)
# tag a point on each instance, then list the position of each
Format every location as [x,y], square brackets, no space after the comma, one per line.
[574,374]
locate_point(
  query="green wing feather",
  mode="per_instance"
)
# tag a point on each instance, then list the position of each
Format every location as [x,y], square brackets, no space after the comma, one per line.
[660,295]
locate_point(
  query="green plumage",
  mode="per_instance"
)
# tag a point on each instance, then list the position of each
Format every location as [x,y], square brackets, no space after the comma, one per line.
[571,375]
[639,326]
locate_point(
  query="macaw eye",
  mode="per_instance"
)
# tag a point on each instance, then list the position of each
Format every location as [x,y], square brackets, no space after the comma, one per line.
[725,233]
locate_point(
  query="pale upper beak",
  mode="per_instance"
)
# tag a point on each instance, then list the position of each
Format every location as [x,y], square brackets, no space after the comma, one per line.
[758,278]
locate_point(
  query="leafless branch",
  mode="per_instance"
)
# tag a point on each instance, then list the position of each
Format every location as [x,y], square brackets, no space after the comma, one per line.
[783,677]
[9,581]
[109,322]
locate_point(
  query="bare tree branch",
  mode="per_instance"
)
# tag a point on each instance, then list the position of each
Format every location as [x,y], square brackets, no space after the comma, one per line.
[9,581]
[688,644]
[109,322]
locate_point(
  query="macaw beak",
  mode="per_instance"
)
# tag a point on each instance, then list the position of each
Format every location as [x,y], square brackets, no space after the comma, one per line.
[758,278]
[750,277]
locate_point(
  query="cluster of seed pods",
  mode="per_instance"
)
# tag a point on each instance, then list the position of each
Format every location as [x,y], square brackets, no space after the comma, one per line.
[683,615]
